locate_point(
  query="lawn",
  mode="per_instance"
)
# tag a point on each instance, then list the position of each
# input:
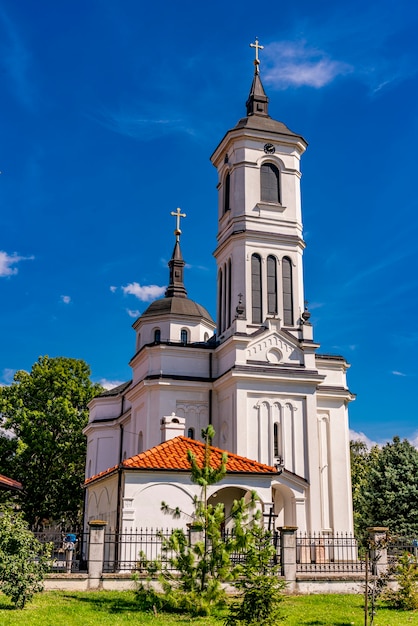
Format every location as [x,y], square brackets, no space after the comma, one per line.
[110,608]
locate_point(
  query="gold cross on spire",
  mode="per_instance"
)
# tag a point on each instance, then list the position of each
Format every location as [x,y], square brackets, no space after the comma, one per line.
[178,214]
[257,47]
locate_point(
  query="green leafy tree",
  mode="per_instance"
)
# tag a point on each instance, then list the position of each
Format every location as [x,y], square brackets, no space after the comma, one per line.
[47,410]
[391,490]
[23,559]
[362,459]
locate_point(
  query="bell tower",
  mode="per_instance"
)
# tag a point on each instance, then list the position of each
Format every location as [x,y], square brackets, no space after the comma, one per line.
[260,244]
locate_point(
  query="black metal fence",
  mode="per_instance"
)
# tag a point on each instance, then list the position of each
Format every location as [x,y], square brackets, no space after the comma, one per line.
[328,554]
[69,550]
[133,550]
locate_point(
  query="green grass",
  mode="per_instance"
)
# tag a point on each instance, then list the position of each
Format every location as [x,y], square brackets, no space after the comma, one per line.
[111,608]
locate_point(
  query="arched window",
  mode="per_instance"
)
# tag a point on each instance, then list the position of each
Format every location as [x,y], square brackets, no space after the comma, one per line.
[256,291]
[287,291]
[206,337]
[229,294]
[270,183]
[271,285]
[227,193]
[190,433]
[220,302]
[183,335]
[276,444]
[157,335]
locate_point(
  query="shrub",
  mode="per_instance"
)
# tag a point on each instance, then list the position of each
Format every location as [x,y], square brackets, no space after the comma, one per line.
[23,559]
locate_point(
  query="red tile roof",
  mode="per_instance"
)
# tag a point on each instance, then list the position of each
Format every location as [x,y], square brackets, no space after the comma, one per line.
[9,483]
[172,455]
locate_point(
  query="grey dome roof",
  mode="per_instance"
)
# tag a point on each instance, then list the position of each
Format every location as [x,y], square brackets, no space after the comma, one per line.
[178,306]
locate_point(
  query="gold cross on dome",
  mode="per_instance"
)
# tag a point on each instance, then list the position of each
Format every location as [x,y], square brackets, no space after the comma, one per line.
[257,47]
[178,214]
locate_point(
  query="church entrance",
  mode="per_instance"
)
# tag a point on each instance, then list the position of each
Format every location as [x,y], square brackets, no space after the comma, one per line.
[284,506]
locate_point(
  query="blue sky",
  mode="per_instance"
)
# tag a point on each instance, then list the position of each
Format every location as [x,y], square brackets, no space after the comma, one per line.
[100,99]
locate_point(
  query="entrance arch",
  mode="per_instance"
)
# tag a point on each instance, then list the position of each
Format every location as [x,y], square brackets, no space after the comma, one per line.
[284,506]
[227,495]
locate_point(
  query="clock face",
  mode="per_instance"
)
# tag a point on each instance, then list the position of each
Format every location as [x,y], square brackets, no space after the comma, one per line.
[269,148]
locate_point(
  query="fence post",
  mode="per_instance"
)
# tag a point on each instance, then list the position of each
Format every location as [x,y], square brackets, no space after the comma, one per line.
[96,553]
[378,549]
[288,554]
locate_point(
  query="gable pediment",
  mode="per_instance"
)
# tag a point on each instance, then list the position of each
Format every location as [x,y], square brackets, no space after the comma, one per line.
[274,348]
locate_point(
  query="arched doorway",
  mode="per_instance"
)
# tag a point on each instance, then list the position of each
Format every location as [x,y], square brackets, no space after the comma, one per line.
[284,506]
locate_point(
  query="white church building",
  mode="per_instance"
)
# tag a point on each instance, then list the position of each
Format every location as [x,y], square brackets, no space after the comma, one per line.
[278,406]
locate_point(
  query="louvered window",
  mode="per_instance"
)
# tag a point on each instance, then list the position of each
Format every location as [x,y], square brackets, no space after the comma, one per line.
[256,291]
[271,285]
[270,183]
[287,291]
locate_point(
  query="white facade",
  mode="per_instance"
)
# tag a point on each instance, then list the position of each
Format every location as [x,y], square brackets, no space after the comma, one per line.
[259,380]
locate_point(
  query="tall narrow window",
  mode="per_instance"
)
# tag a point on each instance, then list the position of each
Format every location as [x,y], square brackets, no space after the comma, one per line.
[276,444]
[157,335]
[220,302]
[227,193]
[270,183]
[287,291]
[183,335]
[229,295]
[256,288]
[190,433]
[140,442]
[271,285]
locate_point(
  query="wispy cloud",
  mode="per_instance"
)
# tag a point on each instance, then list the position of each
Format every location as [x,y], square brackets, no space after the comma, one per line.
[8,261]
[145,293]
[66,299]
[16,60]
[133,313]
[396,373]
[7,376]
[141,126]
[113,288]
[295,64]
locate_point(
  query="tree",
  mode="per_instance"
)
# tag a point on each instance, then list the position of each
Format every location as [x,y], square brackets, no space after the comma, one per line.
[47,411]
[391,491]
[204,562]
[23,559]
[361,459]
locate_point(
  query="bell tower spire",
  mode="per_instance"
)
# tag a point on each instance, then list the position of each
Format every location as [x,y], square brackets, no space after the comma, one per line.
[176,264]
[257,103]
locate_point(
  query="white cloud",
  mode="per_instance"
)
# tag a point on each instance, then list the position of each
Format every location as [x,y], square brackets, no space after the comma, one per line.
[110,384]
[7,261]
[396,373]
[66,299]
[359,436]
[294,64]
[145,293]
[113,289]
[132,313]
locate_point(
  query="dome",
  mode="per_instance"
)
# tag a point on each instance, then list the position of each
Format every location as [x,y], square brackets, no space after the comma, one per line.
[177,306]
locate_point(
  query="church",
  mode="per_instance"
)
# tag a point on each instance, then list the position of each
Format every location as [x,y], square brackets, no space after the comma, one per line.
[278,406]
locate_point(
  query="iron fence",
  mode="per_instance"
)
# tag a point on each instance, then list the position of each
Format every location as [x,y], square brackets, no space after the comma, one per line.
[138,549]
[397,546]
[66,554]
[328,554]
